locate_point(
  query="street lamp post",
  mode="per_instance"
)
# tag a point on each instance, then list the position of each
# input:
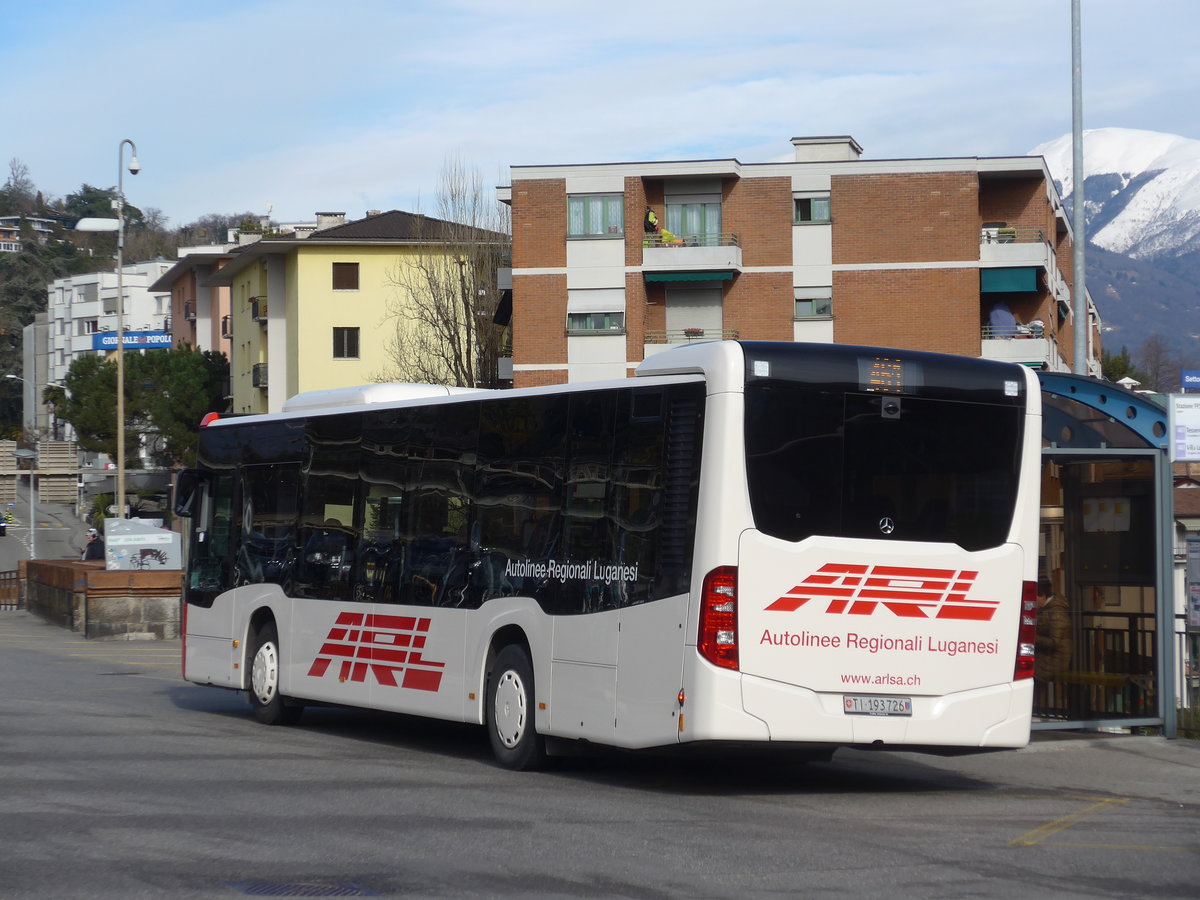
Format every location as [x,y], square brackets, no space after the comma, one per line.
[118,225]
[119,204]
[30,455]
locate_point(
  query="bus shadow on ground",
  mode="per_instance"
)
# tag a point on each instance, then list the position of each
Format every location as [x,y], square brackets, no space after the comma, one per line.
[687,770]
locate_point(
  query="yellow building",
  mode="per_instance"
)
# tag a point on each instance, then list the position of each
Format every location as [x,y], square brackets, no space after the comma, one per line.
[318,312]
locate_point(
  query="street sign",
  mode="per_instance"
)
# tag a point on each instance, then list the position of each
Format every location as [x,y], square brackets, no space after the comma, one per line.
[1185,427]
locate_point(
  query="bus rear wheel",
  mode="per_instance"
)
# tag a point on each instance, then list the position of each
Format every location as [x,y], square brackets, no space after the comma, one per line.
[270,706]
[510,704]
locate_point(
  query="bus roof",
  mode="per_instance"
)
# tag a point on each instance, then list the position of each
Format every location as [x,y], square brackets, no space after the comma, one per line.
[391,392]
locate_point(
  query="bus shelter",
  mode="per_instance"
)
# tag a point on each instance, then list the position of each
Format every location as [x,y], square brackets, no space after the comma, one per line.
[1106,648]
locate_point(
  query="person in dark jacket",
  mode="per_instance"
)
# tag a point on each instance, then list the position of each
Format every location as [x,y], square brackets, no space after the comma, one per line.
[94,549]
[1053,654]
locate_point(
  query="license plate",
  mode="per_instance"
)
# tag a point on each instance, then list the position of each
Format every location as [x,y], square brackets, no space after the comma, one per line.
[859,705]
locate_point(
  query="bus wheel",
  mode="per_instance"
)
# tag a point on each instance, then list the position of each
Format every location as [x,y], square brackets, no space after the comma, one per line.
[270,706]
[515,742]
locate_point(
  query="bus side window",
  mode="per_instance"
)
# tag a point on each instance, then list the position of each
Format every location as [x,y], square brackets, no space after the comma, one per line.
[268,527]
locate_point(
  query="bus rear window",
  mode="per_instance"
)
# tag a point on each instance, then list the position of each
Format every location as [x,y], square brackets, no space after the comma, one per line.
[849,464]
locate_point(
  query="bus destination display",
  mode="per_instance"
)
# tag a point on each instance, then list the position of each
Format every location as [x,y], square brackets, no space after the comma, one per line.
[889,375]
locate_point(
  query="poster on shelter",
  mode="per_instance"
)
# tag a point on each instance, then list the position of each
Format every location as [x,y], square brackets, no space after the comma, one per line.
[130,544]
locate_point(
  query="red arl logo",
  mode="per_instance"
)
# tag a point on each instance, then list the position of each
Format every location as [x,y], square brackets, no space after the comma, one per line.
[907,592]
[389,646]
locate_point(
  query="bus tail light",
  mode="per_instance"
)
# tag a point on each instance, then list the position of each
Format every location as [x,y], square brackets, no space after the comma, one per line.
[717,640]
[1026,632]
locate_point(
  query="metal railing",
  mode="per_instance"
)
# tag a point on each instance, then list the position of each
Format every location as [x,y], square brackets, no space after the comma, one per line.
[1005,235]
[226,326]
[999,332]
[1188,660]
[258,309]
[667,239]
[685,335]
[258,375]
[189,311]
[1111,673]
[10,590]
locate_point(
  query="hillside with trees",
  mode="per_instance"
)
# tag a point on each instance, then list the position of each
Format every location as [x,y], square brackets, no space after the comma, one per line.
[24,275]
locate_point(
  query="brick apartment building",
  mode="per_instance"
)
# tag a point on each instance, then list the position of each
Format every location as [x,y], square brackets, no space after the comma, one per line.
[829,248]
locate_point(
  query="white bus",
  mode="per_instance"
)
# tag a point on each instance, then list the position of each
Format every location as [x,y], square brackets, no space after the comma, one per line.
[803,545]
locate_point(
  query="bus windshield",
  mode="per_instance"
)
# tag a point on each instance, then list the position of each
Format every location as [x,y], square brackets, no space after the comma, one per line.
[845,463]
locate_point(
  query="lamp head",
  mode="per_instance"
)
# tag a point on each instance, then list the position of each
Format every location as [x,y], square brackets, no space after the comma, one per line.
[134,165]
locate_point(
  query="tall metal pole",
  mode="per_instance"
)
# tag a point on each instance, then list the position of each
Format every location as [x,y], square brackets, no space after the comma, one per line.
[119,500]
[32,512]
[1079,362]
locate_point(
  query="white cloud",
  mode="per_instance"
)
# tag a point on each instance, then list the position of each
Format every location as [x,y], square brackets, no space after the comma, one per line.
[355,105]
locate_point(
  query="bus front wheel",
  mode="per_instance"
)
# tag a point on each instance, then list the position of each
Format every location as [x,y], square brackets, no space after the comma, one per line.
[510,704]
[270,706]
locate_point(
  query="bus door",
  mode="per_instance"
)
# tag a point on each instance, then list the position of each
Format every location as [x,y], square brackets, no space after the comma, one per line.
[206,500]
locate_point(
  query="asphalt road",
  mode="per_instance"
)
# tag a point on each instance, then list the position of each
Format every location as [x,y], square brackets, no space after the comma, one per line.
[119,780]
[59,533]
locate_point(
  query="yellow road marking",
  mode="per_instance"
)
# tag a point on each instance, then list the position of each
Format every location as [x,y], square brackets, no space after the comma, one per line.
[1039,834]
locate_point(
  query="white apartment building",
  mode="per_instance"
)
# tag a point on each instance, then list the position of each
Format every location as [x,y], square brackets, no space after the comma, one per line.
[81,319]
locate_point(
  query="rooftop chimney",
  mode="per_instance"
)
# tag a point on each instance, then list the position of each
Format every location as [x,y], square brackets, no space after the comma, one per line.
[330,219]
[838,148]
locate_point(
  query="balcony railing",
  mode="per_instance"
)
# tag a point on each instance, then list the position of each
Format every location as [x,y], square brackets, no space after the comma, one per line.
[717,239]
[686,335]
[1003,332]
[189,311]
[258,375]
[226,326]
[1002,234]
[258,309]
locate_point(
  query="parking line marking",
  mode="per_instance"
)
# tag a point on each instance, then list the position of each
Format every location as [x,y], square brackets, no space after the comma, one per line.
[1039,834]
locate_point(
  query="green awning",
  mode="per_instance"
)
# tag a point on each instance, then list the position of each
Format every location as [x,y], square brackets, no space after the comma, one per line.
[689,276]
[1007,281]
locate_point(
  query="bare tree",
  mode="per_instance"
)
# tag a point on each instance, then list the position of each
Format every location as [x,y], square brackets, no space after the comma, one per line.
[445,293]
[18,196]
[1161,366]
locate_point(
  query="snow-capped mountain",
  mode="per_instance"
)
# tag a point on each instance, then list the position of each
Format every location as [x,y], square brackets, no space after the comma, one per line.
[1142,189]
[1142,196]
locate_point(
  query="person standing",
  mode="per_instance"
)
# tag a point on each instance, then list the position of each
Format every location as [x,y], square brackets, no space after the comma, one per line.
[94,548]
[1053,651]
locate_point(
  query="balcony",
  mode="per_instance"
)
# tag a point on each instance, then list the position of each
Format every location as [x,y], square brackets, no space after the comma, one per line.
[258,375]
[717,255]
[189,310]
[226,326]
[258,309]
[1026,345]
[1002,247]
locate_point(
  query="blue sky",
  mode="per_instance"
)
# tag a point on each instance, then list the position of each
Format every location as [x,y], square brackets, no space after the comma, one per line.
[300,106]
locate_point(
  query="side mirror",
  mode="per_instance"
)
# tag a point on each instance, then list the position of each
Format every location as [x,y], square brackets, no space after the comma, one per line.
[187,488]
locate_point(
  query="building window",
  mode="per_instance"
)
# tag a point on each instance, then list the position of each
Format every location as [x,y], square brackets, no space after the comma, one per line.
[345,276]
[592,215]
[695,223]
[345,343]
[596,323]
[814,303]
[811,208]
